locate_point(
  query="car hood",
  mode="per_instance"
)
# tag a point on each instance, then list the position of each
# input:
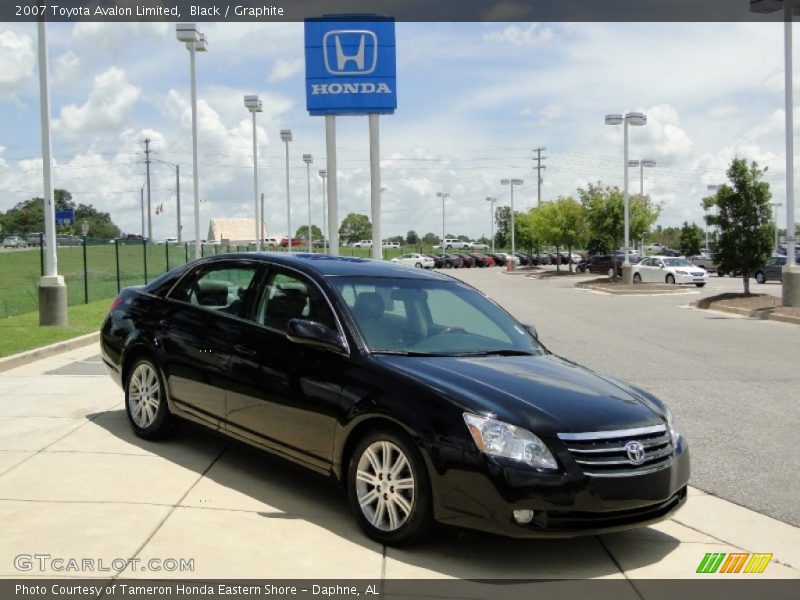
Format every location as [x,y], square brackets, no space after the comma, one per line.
[546,393]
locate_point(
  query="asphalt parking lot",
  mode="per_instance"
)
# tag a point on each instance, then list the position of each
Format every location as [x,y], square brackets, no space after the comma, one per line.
[75,482]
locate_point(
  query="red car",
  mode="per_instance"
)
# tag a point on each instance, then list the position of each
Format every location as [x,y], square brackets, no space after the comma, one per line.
[295,242]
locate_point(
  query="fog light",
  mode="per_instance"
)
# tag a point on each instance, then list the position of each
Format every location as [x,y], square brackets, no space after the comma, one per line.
[524,516]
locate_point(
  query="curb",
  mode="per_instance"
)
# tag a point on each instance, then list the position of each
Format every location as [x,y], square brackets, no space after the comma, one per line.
[23,358]
[753,313]
[617,292]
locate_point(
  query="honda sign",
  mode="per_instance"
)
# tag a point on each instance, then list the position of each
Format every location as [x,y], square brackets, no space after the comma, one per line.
[350,65]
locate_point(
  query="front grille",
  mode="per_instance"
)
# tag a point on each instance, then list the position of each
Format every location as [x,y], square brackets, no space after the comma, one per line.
[604,453]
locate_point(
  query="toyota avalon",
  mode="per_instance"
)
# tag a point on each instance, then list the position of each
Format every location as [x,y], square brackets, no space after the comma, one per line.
[422,396]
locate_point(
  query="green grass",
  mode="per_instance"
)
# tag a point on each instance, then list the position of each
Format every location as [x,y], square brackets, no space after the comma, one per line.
[22,332]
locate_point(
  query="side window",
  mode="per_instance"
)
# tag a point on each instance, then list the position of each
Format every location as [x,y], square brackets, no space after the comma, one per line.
[221,289]
[288,296]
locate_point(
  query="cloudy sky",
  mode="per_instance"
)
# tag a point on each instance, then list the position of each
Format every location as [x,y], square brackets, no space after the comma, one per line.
[474,100]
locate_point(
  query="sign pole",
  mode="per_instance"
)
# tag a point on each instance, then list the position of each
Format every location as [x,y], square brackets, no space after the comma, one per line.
[333,197]
[375,184]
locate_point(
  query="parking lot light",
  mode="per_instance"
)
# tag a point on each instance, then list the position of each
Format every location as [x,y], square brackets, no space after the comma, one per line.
[645,162]
[492,200]
[323,173]
[636,119]
[443,196]
[511,183]
[253,104]
[286,137]
[308,159]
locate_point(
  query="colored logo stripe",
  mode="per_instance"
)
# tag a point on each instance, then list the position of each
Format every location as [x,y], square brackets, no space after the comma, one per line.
[734,562]
[758,562]
[713,562]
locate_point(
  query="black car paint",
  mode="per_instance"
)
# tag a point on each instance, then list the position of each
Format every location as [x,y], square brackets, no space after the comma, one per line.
[310,405]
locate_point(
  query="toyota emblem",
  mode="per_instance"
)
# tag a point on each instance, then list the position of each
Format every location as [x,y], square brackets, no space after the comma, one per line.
[635,452]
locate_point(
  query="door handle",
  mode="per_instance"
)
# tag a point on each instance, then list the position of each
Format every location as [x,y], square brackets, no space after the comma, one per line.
[244,350]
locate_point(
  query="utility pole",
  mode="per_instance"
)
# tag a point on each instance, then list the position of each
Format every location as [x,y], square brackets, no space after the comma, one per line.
[147,163]
[261,231]
[178,199]
[539,168]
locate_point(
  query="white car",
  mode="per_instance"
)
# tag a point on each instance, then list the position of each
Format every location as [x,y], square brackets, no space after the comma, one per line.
[419,261]
[666,269]
[362,244]
[387,244]
[510,257]
[478,246]
[453,243]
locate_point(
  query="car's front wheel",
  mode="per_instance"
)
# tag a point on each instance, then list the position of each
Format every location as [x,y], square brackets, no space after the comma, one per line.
[389,489]
[670,279]
[418,265]
[146,401]
[637,278]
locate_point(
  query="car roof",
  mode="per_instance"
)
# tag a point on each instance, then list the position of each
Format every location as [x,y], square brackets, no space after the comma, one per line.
[326,265]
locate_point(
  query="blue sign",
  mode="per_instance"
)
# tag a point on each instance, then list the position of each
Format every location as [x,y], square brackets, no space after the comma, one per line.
[351,65]
[65,217]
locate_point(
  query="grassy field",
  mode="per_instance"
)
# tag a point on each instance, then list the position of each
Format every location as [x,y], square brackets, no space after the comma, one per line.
[22,332]
[20,269]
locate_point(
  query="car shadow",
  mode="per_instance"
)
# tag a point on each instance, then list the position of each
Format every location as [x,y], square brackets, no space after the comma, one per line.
[276,488]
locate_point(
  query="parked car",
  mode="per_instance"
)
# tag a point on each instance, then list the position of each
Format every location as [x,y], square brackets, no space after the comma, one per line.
[438,261]
[63,239]
[705,261]
[477,246]
[424,398]
[451,261]
[524,260]
[388,244]
[603,264]
[467,261]
[499,259]
[772,270]
[481,260]
[574,257]
[272,242]
[362,244]
[296,242]
[668,269]
[319,243]
[14,241]
[34,239]
[669,252]
[420,261]
[544,258]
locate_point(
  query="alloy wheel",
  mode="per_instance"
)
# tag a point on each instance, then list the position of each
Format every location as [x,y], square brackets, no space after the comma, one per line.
[144,392]
[385,486]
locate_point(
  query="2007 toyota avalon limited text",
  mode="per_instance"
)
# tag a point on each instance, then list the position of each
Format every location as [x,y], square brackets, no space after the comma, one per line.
[423,397]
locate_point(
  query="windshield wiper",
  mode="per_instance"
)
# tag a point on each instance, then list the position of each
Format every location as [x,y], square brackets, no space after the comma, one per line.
[409,353]
[500,353]
[455,354]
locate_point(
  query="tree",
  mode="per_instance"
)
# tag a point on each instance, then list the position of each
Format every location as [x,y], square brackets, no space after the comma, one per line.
[429,239]
[412,238]
[691,239]
[744,218]
[502,220]
[599,245]
[355,227]
[559,223]
[302,232]
[606,217]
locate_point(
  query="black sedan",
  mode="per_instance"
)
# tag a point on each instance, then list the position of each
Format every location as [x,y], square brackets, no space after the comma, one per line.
[424,398]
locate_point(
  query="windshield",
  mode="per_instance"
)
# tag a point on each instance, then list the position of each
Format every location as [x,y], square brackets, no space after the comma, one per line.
[677,262]
[416,316]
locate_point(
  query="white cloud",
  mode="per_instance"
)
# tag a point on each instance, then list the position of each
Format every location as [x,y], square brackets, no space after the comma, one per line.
[531,34]
[285,68]
[66,68]
[17,59]
[114,37]
[108,106]
[549,113]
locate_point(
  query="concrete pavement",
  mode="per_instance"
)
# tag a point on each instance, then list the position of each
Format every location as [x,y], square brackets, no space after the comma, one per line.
[76,483]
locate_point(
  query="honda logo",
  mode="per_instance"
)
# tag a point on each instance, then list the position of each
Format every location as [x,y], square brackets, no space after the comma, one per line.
[350,51]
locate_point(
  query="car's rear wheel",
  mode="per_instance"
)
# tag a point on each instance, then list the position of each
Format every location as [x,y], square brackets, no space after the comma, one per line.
[389,489]
[760,278]
[146,401]
[670,278]
[637,278]
[418,265]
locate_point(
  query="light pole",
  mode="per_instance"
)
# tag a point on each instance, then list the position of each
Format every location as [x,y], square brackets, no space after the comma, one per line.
[635,119]
[308,159]
[775,206]
[491,200]
[443,196]
[323,174]
[645,162]
[286,137]
[791,272]
[711,187]
[511,183]
[177,196]
[253,104]
[195,42]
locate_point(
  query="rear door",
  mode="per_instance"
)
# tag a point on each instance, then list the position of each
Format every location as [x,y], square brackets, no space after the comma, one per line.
[198,333]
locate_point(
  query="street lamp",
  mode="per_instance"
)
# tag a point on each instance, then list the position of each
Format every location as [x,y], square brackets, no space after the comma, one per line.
[711,187]
[645,162]
[443,196]
[511,183]
[775,206]
[323,174]
[491,200]
[253,104]
[195,41]
[308,159]
[636,119]
[286,137]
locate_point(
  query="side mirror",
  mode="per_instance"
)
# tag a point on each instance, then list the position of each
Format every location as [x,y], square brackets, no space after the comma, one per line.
[532,330]
[311,333]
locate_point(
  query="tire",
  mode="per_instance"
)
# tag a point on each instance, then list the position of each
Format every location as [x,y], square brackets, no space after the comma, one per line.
[637,278]
[418,265]
[402,516]
[448,265]
[670,279]
[699,284]
[146,401]
[760,277]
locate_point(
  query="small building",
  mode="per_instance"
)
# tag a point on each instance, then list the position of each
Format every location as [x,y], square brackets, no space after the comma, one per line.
[234,231]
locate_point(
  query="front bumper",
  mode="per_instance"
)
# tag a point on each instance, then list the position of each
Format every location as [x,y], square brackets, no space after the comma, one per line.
[565,504]
[690,279]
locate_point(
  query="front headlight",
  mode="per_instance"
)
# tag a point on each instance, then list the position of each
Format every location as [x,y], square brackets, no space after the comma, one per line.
[673,433]
[679,272]
[496,438]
